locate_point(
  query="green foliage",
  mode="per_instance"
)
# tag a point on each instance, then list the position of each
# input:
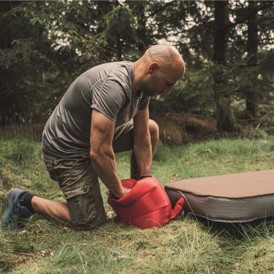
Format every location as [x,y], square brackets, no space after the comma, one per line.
[194,94]
[118,37]
[120,22]
[46,45]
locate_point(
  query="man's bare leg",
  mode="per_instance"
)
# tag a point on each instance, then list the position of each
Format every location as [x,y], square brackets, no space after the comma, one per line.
[57,211]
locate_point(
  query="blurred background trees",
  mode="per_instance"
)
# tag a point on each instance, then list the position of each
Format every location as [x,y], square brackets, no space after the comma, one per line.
[228,47]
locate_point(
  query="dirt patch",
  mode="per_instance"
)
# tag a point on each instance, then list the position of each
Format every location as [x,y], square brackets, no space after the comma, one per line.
[181,128]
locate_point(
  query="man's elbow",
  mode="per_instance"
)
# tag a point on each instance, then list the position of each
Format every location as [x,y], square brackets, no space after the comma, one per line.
[94,155]
[97,155]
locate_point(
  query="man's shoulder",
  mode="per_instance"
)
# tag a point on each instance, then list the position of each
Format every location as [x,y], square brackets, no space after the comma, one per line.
[121,72]
[113,67]
[122,64]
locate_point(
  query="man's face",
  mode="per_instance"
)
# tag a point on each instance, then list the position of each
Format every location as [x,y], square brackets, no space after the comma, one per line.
[159,82]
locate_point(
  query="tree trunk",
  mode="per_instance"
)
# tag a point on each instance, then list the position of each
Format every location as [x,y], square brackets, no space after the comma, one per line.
[252,50]
[224,115]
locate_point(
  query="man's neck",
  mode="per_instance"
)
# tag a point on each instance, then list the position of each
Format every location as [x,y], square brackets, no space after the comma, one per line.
[137,76]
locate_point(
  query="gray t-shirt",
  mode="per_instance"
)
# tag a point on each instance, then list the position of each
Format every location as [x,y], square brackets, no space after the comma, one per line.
[108,88]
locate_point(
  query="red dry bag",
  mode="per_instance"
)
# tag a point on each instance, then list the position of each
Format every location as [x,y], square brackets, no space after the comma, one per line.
[146,205]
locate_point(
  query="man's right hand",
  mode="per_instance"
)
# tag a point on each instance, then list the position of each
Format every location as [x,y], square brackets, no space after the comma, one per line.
[125,190]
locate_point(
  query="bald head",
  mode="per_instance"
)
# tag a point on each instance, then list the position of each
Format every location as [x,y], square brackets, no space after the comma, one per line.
[167,57]
[158,70]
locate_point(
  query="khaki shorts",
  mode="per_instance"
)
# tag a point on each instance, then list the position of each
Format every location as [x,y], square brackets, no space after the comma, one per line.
[79,182]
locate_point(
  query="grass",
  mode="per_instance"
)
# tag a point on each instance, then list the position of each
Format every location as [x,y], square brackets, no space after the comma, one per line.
[187,245]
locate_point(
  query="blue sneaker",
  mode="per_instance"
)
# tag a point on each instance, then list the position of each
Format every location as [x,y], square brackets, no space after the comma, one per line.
[15,215]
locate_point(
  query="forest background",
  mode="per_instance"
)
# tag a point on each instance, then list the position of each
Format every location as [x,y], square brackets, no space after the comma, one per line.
[228,47]
[228,90]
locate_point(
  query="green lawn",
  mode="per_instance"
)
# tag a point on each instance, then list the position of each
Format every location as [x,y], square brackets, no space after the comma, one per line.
[185,245]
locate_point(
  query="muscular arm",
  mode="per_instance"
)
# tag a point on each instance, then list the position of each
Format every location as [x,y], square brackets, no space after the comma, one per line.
[142,142]
[102,154]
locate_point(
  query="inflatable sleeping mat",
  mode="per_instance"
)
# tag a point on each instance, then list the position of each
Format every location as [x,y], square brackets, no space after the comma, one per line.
[239,197]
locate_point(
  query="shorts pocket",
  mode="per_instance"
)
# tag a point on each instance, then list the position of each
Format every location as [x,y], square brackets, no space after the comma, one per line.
[78,191]
[81,205]
[49,163]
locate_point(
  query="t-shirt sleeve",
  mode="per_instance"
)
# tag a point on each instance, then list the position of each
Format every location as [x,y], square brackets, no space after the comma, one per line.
[108,98]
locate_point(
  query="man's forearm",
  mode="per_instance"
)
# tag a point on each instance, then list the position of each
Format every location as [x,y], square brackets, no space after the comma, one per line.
[104,166]
[143,156]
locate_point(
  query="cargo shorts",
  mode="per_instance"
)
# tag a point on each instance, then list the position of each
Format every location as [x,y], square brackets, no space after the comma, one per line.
[80,185]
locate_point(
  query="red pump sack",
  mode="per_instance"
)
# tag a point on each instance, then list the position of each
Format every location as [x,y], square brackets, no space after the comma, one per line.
[146,205]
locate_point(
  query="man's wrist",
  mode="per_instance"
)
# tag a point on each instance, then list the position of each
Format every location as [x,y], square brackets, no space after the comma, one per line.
[116,194]
[117,197]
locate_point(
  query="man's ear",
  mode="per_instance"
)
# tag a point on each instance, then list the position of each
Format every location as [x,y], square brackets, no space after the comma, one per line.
[152,67]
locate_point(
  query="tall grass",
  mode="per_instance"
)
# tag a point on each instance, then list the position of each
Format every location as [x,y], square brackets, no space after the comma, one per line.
[186,245]
[29,130]
[21,151]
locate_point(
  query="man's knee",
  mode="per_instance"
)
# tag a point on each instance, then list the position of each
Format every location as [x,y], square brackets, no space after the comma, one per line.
[81,189]
[86,213]
[154,132]
[86,207]
[89,224]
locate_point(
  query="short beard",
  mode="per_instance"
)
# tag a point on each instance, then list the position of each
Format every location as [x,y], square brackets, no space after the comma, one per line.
[147,88]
